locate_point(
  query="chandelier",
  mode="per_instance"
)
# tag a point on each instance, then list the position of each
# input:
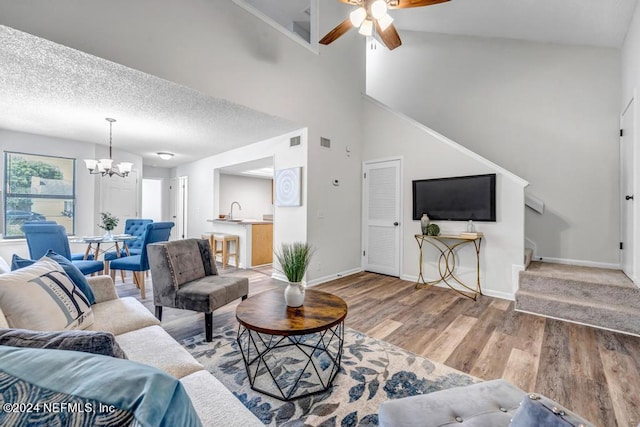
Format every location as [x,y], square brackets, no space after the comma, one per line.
[104,166]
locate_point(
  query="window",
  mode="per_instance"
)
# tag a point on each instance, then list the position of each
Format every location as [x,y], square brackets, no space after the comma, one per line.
[295,18]
[38,188]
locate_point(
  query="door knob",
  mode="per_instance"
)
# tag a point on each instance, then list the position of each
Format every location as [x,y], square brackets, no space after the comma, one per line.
[628,197]
[396,223]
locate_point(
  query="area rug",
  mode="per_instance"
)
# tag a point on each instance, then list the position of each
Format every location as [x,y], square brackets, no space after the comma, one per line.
[372,371]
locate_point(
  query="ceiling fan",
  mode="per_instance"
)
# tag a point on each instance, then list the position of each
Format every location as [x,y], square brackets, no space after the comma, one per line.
[372,14]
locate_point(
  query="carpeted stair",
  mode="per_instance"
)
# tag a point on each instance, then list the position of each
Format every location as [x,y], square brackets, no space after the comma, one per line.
[594,296]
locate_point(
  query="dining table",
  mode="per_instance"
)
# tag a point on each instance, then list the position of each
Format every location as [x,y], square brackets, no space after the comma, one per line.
[96,244]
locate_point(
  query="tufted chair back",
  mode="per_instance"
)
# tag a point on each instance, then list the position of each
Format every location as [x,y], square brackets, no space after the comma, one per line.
[42,237]
[185,277]
[136,227]
[154,233]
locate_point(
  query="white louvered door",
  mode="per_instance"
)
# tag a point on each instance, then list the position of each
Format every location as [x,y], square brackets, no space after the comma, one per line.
[382,213]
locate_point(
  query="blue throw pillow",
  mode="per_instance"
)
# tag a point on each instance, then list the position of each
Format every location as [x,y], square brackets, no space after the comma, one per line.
[111,391]
[72,271]
[18,262]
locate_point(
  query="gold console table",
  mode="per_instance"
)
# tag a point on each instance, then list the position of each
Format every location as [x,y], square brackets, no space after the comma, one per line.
[446,244]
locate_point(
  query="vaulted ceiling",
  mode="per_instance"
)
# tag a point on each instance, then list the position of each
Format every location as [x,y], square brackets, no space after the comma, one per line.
[53,90]
[582,22]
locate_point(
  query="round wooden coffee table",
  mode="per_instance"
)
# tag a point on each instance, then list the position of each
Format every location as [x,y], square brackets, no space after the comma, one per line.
[291,352]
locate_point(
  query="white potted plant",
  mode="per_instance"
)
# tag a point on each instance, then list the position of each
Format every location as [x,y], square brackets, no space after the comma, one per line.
[294,259]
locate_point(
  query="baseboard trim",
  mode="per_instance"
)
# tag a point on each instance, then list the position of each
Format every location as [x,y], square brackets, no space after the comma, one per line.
[409,278]
[489,293]
[576,322]
[232,264]
[582,263]
[515,278]
[279,276]
[499,294]
[335,276]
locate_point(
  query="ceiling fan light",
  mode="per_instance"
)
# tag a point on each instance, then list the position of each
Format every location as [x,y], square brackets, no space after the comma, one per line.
[366,29]
[378,9]
[385,21]
[358,16]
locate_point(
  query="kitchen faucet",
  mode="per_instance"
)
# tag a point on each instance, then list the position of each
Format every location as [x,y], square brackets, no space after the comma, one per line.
[231,212]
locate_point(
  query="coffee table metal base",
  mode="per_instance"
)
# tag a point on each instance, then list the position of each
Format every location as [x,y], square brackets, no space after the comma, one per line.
[293,366]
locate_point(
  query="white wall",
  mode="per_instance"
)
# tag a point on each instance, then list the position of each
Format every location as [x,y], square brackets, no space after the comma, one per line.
[426,154]
[290,223]
[253,194]
[224,51]
[548,113]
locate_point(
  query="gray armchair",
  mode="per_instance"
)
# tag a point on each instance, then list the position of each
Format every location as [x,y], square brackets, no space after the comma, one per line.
[184,276]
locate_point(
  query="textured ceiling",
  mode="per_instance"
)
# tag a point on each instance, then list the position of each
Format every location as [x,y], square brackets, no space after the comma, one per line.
[583,22]
[50,89]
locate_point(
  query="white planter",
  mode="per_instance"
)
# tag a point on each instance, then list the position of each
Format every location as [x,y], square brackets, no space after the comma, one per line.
[424,223]
[294,294]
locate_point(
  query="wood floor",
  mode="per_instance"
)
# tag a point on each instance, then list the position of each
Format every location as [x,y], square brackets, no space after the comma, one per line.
[596,373]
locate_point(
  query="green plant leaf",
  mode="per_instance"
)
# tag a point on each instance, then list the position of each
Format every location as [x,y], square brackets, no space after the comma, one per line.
[294,259]
[109,222]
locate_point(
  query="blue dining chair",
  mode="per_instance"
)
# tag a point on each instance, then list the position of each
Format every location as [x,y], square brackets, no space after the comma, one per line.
[154,232]
[42,237]
[74,257]
[134,227]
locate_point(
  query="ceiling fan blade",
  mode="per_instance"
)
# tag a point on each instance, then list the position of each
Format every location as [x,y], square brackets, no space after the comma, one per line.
[403,4]
[352,2]
[338,31]
[389,37]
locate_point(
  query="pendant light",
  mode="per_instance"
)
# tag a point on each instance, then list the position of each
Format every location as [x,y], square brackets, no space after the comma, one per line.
[104,166]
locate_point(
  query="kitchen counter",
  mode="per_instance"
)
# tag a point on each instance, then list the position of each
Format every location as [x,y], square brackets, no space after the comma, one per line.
[239,222]
[255,236]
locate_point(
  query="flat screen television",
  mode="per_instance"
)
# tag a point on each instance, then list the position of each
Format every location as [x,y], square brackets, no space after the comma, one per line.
[459,198]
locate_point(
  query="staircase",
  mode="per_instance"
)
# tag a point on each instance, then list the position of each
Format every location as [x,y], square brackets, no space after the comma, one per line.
[528,257]
[597,297]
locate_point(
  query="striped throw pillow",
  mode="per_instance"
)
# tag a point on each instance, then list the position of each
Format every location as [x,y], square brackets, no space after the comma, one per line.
[42,297]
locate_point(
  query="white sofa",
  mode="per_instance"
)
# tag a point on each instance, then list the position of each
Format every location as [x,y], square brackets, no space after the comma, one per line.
[143,340]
